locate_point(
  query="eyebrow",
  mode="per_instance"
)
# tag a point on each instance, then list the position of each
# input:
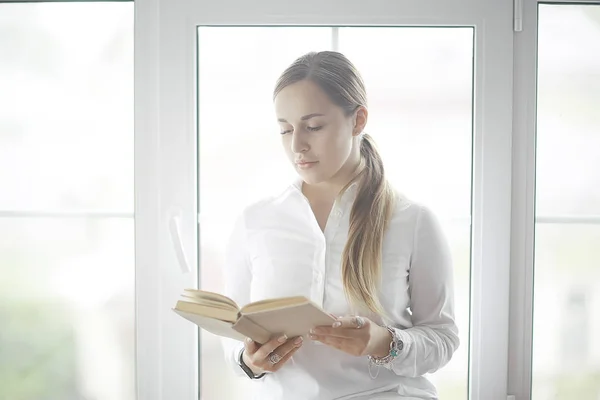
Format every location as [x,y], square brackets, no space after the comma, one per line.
[304,118]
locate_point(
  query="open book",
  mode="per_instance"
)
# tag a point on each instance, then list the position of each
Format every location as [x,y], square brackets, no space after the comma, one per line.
[260,321]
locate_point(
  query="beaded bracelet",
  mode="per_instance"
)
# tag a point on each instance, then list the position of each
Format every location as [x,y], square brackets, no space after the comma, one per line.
[396,347]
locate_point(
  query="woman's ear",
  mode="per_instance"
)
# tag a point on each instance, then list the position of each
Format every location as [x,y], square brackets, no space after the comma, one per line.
[360,120]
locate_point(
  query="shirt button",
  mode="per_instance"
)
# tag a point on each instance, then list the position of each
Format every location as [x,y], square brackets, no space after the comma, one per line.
[338,213]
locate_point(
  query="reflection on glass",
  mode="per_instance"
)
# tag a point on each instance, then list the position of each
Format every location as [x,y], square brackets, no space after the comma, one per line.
[566,354]
[66,144]
[420,114]
[420,83]
[66,106]
[67,309]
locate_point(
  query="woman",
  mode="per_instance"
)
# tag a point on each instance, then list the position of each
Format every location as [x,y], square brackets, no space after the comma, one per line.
[341,236]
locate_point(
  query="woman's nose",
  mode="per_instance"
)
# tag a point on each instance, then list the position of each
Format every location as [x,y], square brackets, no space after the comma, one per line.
[299,143]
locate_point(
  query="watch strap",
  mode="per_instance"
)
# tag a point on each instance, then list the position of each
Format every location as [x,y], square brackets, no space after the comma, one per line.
[246,368]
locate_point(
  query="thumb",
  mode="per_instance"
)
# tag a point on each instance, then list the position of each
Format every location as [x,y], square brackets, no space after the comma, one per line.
[251,346]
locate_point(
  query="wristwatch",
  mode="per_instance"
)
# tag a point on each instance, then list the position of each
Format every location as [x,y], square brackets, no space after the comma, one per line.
[246,368]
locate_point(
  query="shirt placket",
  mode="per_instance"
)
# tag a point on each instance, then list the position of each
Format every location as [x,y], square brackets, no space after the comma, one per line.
[327,256]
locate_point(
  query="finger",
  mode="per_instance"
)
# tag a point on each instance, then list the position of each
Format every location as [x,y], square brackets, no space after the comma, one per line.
[355,322]
[289,346]
[250,346]
[274,367]
[337,342]
[346,345]
[268,347]
[346,333]
[283,350]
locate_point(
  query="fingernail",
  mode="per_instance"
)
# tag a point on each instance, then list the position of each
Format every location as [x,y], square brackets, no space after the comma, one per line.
[312,336]
[298,340]
[282,339]
[248,340]
[337,324]
[312,331]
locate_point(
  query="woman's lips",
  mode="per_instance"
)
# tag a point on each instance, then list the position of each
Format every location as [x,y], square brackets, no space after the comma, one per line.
[306,164]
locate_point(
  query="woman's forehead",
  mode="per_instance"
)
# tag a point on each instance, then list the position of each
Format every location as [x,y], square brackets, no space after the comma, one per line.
[301,99]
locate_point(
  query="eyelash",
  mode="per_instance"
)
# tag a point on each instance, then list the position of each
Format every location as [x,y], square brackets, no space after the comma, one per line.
[310,128]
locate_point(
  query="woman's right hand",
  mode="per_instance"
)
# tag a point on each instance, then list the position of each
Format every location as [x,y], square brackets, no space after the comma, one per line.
[259,358]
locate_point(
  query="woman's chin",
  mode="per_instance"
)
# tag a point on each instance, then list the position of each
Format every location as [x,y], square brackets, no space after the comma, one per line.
[311,178]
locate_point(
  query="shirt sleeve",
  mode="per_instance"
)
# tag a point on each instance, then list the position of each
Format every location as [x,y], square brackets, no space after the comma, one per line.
[430,343]
[237,277]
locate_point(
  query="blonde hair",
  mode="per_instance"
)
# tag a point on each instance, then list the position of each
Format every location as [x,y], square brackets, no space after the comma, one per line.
[374,202]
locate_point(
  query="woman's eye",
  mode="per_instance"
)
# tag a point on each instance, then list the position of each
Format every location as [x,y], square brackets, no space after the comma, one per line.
[314,129]
[284,132]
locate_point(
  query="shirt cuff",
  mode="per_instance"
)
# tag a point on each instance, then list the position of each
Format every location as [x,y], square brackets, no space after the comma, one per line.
[234,358]
[406,344]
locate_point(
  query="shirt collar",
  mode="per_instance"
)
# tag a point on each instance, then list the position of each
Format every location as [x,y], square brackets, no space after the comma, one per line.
[351,190]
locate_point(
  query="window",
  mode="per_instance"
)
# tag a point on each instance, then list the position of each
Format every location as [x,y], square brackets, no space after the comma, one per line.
[66,208]
[415,101]
[566,357]
[212,90]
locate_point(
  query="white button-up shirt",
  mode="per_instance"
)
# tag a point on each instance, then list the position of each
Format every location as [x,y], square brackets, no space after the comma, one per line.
[278,249]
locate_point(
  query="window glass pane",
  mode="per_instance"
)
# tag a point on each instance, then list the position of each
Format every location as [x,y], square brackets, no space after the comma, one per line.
[568,124]
[66,145]
[566,354]
[420,94]
[67,309]
[420,84]
[66,105]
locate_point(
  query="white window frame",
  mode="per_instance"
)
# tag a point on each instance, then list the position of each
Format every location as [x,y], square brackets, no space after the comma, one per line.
[166,165]
[524,217]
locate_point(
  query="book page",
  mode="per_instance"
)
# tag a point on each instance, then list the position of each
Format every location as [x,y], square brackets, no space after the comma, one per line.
[208,302]
[229,315]
[216,297]
[272,304]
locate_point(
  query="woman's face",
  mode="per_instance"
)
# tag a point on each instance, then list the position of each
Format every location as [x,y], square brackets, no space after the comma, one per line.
[319,140]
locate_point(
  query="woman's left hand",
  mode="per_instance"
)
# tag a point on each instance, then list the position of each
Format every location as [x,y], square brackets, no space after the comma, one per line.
[357,336]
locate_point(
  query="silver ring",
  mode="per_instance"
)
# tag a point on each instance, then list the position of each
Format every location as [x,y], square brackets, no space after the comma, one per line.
[360,322]
[274,358]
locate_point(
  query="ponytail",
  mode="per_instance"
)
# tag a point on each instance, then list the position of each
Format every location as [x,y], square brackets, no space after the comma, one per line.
[369,217]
